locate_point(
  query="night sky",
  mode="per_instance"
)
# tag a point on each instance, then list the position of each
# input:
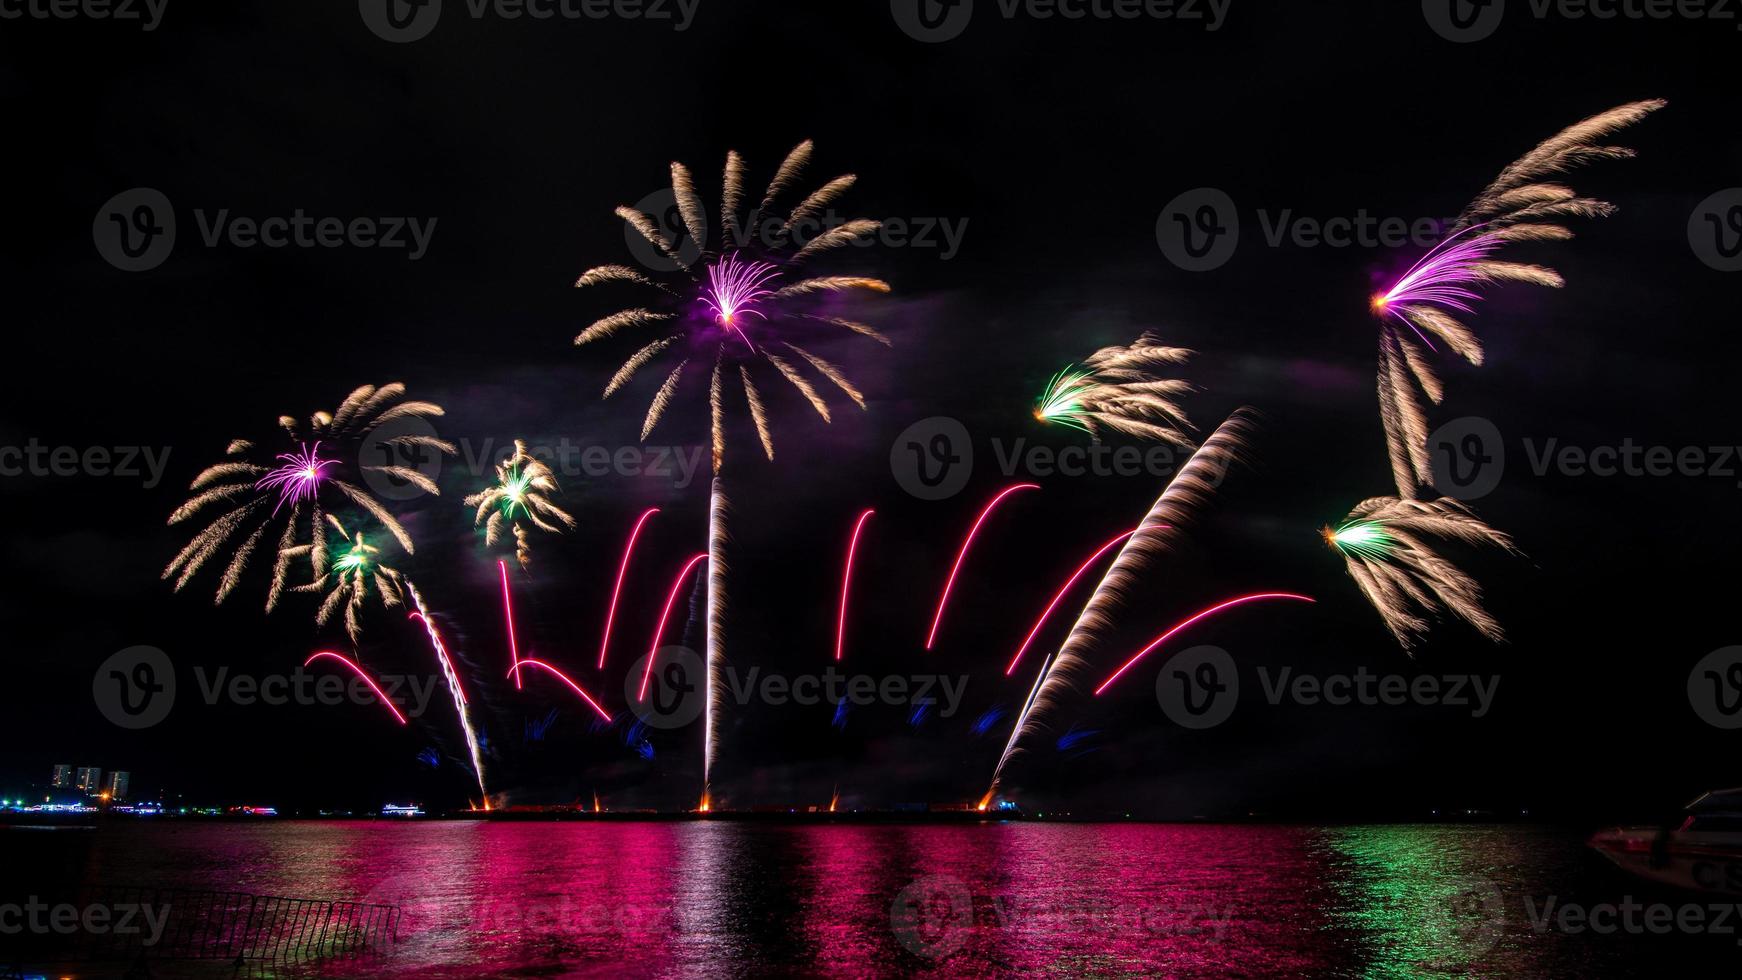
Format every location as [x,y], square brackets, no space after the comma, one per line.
[1054,146]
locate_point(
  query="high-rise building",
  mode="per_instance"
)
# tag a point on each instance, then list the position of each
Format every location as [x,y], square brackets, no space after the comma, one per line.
[115,786]
[87,779]
[62,778]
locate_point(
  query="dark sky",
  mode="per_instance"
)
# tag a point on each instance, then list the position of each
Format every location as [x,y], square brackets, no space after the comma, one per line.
[1058,143]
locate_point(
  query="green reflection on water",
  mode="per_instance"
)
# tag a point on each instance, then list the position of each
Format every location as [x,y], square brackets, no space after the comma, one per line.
[1423,901]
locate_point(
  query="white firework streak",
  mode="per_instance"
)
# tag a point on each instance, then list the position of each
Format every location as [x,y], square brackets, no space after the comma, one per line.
[454,689]
[716,627]
[1191,486]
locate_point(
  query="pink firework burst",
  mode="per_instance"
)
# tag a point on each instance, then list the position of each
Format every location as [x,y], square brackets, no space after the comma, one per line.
[298,478]
[1442,277]
[735,287]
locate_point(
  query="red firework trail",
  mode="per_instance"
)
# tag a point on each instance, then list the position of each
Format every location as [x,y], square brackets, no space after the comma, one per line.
[617,590]
[1059,597]
[508,611]
[846,580]
[516,669]
[347,661]
[968,541]
[659,631]
[1163,638]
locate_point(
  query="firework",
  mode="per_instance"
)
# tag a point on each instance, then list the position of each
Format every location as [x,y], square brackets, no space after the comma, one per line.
[520,666]
[967,541]
[360,672]
[297,478]
[347,582]
[741,302]
[716,647]
[846,584]
[664,615]
[1523,204]
[742,307]
[508,617]
[325,465]
[452,676]
[1189,489]
[1060,595]
[519,498]
[617,589]
[1116,388]
[1191,620]
[1383,542]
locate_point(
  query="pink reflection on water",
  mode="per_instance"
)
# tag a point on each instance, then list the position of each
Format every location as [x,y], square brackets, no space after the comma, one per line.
[684,898]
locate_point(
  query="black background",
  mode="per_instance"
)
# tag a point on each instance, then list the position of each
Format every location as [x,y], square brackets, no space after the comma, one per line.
[1059,142]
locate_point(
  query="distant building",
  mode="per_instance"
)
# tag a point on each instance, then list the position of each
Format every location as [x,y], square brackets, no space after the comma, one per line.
[116,785]
[87,779]
[62,778]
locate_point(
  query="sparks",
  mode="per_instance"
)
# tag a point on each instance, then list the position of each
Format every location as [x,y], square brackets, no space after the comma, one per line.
[962,554]
[617,590]
[735,287]
[846,582]
[299,479]
[665,614]
[1366,539]
[348,662]
[1163,638]
[1060,595]
[519,667]
[1120,388]
[1061,402]
[452,676]
[508,614]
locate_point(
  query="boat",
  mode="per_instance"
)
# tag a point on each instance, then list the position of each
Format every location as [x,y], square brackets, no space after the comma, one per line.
[1702,851]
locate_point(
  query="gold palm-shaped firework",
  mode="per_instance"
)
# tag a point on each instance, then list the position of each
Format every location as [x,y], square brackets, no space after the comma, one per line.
[323,468]
[1524,204]
[1117,388]
[519,498]
[357,567]
[745,299]
[1384,542]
